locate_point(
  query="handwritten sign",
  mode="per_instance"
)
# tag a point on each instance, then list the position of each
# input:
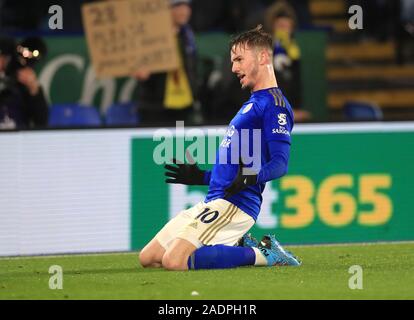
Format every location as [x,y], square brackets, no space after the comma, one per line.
[124,36]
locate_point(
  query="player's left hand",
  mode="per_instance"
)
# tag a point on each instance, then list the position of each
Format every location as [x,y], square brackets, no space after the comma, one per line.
[245,177]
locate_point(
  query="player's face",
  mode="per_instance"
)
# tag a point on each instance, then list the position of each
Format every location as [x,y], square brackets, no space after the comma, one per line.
[245,64]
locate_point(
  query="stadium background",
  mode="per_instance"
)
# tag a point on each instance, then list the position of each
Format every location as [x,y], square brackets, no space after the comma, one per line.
[98,189]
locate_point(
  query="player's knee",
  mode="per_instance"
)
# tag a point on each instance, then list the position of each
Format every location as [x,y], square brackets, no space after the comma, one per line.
[172,263]
[145,258]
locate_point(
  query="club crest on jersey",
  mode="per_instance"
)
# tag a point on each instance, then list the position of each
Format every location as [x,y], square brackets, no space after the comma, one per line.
[247,108]
[282,119]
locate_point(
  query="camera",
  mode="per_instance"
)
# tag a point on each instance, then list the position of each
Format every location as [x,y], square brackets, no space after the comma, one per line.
[15,56]
[27,53]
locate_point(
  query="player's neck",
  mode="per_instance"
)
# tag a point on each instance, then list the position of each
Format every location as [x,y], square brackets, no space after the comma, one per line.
[267,80]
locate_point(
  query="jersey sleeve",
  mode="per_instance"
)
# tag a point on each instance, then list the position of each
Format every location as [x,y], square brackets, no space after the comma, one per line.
[207,177]
[278,164]
[277,124]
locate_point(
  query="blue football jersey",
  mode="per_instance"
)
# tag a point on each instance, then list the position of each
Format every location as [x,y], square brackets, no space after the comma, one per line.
[266,116]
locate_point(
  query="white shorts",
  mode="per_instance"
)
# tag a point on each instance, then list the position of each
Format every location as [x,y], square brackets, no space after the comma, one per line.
[215,222]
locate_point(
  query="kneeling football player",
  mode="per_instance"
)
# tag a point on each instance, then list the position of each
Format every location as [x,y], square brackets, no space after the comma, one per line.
[214,233]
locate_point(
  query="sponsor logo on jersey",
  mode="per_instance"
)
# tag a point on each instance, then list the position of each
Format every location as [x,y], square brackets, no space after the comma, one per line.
[282,119]
[230,131]
[247,108]
[225,143]
[281,130]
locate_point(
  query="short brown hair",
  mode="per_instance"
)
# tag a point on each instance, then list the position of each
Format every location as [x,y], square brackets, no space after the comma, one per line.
[256,38]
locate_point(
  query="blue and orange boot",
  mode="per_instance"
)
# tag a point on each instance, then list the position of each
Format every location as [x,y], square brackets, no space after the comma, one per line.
[275,254]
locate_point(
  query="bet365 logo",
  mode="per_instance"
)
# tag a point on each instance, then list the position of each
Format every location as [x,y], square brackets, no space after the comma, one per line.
[338,200]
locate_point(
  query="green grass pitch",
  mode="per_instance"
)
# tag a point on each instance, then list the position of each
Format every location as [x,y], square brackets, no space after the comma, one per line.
[388,273]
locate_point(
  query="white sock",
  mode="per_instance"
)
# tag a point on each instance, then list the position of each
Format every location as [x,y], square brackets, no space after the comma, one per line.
[260,258]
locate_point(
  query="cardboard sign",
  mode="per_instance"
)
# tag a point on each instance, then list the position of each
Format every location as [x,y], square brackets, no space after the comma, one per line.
[124,36]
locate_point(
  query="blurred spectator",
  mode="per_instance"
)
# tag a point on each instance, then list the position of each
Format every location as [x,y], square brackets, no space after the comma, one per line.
[281,22]
[164,98]
[22,102]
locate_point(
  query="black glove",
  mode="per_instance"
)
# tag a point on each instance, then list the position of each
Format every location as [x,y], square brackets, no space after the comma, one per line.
[183,173]
[244,178]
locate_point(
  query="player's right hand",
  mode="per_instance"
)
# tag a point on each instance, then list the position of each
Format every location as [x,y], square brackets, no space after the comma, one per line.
[184,173]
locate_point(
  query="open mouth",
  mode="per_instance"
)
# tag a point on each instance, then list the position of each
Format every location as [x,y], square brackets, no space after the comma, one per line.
[241,77]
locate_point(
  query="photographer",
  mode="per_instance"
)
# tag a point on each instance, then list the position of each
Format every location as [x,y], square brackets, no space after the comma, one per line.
[22,102]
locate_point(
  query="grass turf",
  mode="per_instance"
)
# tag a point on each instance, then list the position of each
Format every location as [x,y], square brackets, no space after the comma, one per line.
[387,274]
